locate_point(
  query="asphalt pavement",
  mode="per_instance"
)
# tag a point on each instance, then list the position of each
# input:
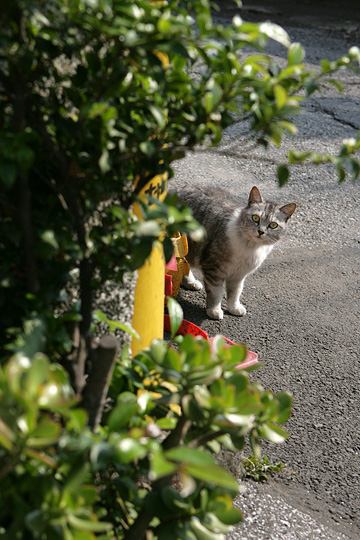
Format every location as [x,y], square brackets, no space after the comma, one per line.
[303,303]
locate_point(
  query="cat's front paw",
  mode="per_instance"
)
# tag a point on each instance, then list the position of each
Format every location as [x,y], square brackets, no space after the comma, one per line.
[194,285]
[237,309]
[215,313]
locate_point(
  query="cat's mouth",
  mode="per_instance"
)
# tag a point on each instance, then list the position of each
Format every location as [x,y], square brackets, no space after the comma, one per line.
[263,239]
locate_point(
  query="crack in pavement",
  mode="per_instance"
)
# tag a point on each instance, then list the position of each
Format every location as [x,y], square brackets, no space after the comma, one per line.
[314,104]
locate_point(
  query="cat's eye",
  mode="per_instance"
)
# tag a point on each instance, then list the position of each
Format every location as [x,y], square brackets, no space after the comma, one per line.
[273,225]
[255,218]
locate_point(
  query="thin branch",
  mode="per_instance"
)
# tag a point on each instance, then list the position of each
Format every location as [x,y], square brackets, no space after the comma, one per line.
[204,439]
[176,437]
[138,529]
[95,392]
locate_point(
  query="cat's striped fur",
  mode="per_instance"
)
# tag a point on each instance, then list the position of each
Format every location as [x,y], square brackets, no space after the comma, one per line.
[237,241]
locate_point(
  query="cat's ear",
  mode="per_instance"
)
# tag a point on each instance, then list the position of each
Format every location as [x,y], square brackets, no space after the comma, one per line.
[288,210]
[255,196]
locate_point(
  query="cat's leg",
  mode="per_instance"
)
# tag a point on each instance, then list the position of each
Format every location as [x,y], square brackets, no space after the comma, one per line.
[190,282]
[234,287]
[214,295]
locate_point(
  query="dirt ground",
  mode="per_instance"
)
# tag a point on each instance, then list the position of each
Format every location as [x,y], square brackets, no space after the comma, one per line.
[303,304]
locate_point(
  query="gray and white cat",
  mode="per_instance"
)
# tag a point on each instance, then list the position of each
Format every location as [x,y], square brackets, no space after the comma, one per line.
[236,243]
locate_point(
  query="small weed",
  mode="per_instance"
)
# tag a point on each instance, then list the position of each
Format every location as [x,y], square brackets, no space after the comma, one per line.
[259,469]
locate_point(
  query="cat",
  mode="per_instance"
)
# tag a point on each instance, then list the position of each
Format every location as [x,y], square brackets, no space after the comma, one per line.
[236,242]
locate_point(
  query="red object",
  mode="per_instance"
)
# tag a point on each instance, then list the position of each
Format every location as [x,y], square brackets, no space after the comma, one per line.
[188,327]
[172,264]
[168,285]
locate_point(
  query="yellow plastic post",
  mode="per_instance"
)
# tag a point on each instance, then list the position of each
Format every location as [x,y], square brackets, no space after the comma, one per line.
[148,319]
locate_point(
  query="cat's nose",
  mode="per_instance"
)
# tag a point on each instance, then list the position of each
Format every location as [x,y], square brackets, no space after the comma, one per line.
[260,232]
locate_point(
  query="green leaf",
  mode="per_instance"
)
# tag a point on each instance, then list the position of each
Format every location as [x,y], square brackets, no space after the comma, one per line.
[128,450]
[214,524]
[77,420]
[275,32]
[208,471]
[240,380]
[173,359]
[127,328]
[273,433]
[6,436]
[204,376]
[276,134]
[37,374]
[298,157]
[208,102]
[289,126]
[212,96]
[296,54]
[32,340]
[164,24]
[76,478]
[102,109]
[101,455]
[212,474]
[158,115]
[233,419]
[126,407]
[237,354]
[148,148]
[355,168]
[311,87]
[166,423]
[341,173]
[175,314]
[190,456]
[104,162]
[283,174]
[57,391]
[158,351]
[285,401]
[149,228]
[47,432]
[230,516]
[49,238]
[160,466]
[202,396]
[280,96]
[100,316]
[115,325]
[88,525]
[201,532]
[337,84]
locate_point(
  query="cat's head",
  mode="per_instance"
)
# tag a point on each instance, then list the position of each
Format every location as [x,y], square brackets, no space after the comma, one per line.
[265,222]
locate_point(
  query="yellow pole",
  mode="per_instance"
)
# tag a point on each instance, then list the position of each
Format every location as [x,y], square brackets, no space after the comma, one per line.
[148,319]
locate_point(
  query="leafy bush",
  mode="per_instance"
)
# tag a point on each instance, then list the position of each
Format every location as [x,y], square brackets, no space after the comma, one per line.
[150,466]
